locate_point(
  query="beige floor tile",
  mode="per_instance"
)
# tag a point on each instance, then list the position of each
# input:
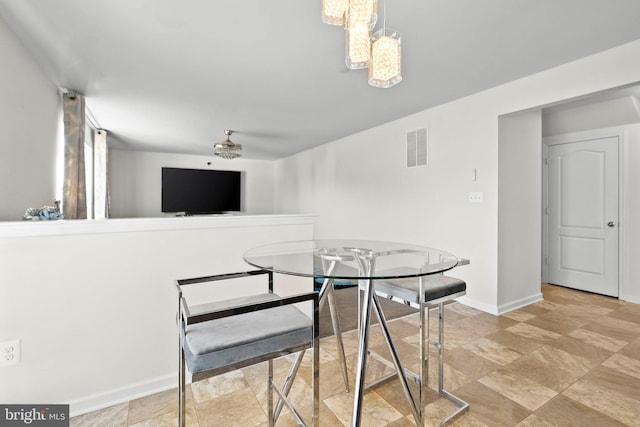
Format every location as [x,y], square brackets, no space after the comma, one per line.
[615,328]
[515,342]
[548,305]
[492,351]
[239,409]
[113,416]
[519,315]
[170,419]
[217,386]
[562,411]
[406,421]
[467,420]
[327,418]
[462,309]
[546,374]
[535,309]
[400,329]
[478,325]
[630,313]
[457,337]
[469,363]
[598,340]
[491,407]
[563,360]
[599,396]
[533,332]
[501,322]
[375,410]
[624,364]
[632,350]
[557,321]
[582,349]
[533,421]
[518,388]
[156,405]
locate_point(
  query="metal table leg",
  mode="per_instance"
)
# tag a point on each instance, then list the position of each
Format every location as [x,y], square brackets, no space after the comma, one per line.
[362,355]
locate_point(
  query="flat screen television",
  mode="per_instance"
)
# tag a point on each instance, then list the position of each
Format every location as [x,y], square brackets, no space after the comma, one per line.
[200,191]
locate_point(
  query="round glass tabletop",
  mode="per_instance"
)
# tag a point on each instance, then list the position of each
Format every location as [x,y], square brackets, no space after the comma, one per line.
[350,259]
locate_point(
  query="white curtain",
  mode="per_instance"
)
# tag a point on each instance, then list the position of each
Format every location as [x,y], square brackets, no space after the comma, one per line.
[101,203]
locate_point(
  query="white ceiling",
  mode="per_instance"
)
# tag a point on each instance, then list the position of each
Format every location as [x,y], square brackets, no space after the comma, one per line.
[170,76]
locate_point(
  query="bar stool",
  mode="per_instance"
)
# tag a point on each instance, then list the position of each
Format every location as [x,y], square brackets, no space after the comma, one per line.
[222,336]
[425,293]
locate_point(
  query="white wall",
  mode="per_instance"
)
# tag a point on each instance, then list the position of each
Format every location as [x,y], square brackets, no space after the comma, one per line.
[28,129]
[631,211]
[360,187]
[94,305]
[135,181]
[596,115]
[519,213]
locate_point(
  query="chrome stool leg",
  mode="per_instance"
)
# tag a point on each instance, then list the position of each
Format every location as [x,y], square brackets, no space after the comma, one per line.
[462,405]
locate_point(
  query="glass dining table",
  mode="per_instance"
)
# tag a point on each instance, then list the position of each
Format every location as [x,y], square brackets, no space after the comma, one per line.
[362,261]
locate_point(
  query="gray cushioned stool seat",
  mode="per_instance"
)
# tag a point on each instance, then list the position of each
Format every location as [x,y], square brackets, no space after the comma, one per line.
[436,286]
[244,337]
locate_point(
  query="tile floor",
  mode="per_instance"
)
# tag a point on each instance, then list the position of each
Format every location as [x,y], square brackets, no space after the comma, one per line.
[571,360]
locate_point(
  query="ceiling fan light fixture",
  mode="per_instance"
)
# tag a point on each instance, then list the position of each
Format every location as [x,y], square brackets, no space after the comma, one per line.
[227,149]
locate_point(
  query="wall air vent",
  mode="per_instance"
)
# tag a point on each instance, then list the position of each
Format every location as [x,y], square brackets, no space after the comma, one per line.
[417,148]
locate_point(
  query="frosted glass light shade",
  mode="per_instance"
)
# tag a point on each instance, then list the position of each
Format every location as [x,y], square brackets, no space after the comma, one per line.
[385,66]
[362,12]
[333,11]
[358,46]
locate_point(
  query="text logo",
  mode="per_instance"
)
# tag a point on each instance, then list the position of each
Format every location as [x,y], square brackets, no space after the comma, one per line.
[34,415]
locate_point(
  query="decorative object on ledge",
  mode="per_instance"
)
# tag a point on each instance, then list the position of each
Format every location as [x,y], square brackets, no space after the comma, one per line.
[380,52]
[227,149]
[45,213]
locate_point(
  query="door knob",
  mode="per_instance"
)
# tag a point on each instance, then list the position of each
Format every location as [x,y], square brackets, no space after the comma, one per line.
[611,224]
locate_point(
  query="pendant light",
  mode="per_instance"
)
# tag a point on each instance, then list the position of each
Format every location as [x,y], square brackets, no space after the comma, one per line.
[361,17]
[385,66]
[333,11]
[227,149]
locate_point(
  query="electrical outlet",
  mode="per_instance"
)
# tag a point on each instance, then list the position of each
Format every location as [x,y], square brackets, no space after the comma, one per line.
[10,353]
[475,197]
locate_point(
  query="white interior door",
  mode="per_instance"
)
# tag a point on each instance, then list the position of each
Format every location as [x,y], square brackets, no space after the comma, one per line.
[582,215]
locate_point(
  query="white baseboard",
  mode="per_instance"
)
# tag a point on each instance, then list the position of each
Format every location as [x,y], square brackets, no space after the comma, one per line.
[121,395]
[630,298]
[514,305]
[501,309]
[487,308]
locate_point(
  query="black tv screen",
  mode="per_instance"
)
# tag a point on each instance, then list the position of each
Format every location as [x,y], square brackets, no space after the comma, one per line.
[200,191]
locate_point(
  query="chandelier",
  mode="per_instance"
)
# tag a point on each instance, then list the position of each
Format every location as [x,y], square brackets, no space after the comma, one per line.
[380,52]
[227,149]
